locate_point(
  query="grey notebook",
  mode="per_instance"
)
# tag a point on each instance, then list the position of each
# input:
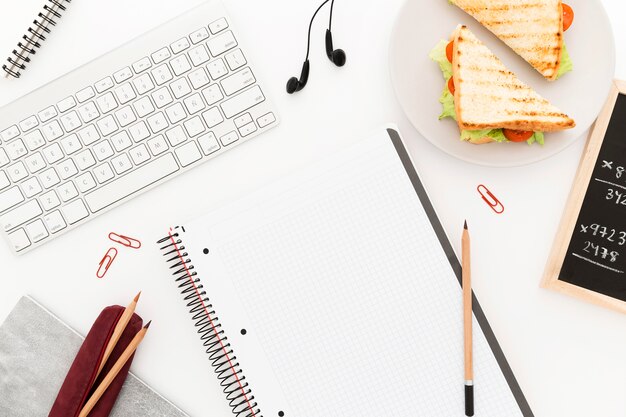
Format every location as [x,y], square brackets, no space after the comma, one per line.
[36,351]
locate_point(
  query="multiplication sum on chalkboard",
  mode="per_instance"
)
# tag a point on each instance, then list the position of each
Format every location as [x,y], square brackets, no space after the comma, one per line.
[588,259]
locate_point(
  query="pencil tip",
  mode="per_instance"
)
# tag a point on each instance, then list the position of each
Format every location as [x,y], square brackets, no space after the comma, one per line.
[147,324]
[465,225]
[137,296]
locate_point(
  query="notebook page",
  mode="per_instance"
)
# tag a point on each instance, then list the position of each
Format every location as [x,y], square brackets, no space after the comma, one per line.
[345,291]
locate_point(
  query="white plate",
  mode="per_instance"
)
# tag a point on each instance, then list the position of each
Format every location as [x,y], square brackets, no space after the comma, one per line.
[418,82]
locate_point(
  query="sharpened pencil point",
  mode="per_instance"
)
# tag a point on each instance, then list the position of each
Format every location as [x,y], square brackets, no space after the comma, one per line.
[465,225]
[147,324]
[137,297]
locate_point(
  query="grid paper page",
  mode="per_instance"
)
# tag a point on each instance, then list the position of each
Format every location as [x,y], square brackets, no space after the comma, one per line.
[343,282]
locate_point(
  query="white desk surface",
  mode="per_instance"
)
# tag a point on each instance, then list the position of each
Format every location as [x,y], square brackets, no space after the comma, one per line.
[567,355]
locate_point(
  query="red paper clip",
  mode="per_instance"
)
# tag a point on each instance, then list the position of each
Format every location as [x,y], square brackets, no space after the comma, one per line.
[125,240]
[106,262]
[490,199]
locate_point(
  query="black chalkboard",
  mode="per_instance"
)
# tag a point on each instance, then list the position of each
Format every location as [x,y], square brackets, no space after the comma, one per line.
[596,256]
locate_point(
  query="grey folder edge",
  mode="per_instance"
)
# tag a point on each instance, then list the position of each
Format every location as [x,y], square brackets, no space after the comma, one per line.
[36,351]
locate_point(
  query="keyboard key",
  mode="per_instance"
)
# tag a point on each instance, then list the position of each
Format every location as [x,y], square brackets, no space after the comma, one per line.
[247,129]
[244,119]
[103,150]
[47,114]
[162,74]
[89,135]
[139,154]
[103,173]
[35,162]
[18,240]
[242,102]
[85,94]
[125,116]
[34,140]
[10,133]
[106,103]
[194,104]
[176,136]
[84,160]
[29,123]
[235,59]
[104,84]
[139,131]
[175,113]
[107,125]
[188,154]
[49,178]
[17,171]
[157,145]
[85,182]
[180,45]
[143,84]
[180,88]
[212,94]
[66,104]
[20,215]
[75,211]
[4,180]
[161,55]
[229,138]
[54,221]
[16,149]
[122,187]
[49,200]
[142,65]
[53,153]
[10,198]
[123,75]
[222,43]
[199,35]
[162,97]
[199,55]
[71,144]
[67,191]
[238,81]
[157,122]
[31,187]
[198,78]
[121,164]
[125,93]
[218,26]
[121,141]
[70,121]
[212,117]
[88,112]
[217,68]
[67,169]
[194,126]
[4,158]
[37,231]
[208,143]
[180,65]
[143,106]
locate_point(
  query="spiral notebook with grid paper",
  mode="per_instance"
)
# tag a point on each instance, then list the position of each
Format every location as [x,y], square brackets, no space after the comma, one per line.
[335,292]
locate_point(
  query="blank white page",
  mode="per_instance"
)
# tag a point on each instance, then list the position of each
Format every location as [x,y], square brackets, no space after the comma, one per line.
[350,303]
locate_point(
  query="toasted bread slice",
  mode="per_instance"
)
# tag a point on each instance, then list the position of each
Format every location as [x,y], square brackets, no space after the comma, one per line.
[532,28]
[488,96]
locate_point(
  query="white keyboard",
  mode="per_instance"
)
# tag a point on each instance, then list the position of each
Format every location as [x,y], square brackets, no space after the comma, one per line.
[145,112]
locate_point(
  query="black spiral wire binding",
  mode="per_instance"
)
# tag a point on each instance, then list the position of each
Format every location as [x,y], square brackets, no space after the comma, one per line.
[224,362]
[31,41]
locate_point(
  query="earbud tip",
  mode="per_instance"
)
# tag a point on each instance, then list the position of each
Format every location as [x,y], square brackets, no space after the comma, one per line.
[339,57]
[292,85]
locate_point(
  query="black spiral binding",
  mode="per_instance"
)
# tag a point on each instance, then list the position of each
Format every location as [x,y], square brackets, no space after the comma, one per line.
[224,363]
[31,41]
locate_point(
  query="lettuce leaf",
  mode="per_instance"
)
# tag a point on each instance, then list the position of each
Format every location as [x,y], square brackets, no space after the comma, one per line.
[438,54]
[447,104]
[566,63]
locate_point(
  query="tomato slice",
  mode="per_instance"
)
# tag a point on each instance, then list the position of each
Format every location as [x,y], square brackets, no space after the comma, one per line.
[568,16]
[451,85]
[517,135]
[450,48]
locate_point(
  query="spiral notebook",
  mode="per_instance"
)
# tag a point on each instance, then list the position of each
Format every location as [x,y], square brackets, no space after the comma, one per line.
[335,292]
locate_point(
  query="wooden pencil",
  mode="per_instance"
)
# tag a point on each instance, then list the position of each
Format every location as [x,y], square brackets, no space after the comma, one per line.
[115,370]
[117,332]
[467,322]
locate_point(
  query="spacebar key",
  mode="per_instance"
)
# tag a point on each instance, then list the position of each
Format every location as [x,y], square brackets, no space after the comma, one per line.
[124,186]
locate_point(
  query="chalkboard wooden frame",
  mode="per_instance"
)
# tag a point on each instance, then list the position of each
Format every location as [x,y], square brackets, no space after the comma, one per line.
[572,210]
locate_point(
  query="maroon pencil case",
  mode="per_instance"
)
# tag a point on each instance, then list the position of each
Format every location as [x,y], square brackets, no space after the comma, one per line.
[80,381]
